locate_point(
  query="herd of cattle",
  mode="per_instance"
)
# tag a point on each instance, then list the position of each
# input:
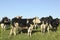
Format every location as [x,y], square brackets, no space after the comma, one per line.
[18,24]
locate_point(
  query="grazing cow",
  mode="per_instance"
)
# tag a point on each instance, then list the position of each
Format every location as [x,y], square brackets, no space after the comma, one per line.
[5,22]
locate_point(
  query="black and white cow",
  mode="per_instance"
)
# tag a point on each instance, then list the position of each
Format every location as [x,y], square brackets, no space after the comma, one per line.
[46,20]
[44,24]
[4,23]
[52,23]
[20,24]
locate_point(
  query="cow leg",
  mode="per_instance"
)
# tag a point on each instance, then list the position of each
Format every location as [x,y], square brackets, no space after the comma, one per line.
[18,30]
[35,26]
[48,29]
[30,34]
[3,27]
[28,31]
[50,26]
[44,28]
[41,28]
[11,31]
[14,31]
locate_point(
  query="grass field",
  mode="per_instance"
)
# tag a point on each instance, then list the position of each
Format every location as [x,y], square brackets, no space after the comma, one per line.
[4,35]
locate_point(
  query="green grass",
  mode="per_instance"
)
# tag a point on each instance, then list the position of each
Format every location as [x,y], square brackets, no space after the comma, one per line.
[4,35]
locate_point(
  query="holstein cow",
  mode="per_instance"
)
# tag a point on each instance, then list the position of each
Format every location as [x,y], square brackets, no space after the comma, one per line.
[47,23]
[15,24]
[20,24]
[4,23]
[52,23]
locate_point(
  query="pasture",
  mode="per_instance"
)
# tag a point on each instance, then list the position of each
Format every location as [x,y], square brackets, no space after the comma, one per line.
[4,35]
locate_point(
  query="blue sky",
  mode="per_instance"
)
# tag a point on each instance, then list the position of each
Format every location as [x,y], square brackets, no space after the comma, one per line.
[30,8]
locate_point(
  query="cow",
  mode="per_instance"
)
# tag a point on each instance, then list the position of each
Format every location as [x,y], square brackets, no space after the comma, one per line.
[46,23]
[5,22]
[19,24]
[52,23]
[14,25]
